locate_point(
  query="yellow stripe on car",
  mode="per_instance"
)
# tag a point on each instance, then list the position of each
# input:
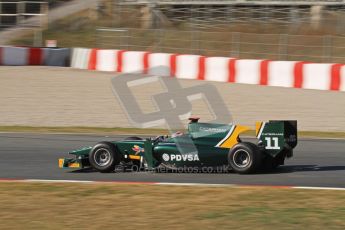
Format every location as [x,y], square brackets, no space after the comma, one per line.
[61,161]
[74,165]
[258,126]
[231,138]
[134,157]
[69,165]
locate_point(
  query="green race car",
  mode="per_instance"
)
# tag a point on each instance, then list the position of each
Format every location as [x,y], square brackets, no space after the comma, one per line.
[204,146]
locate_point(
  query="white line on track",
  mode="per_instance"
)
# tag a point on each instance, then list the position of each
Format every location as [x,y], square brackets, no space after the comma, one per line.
[319,188]
[58,181]
[196,184]
[171,184]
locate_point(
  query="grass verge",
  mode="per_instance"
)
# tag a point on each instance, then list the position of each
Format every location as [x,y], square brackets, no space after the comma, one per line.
[115,131]
[106,206]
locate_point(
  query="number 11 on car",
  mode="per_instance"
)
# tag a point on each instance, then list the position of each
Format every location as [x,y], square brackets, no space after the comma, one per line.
[272,143]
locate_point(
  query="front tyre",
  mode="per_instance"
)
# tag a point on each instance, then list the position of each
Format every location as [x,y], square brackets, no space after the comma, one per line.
[103,157]
[245,157]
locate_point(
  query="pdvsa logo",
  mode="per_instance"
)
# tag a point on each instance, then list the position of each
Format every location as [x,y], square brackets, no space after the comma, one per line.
[180,157]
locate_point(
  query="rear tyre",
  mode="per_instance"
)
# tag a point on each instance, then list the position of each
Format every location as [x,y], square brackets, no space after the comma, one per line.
[245,158]
[104,157]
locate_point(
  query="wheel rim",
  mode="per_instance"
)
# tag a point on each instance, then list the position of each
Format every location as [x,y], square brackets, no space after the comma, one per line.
[102,157]
[241,158]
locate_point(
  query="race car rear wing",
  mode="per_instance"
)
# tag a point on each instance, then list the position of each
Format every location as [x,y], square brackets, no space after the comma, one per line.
[277,136]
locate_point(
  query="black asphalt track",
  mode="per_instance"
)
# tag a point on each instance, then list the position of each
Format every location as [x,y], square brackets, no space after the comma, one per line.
[35,156]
